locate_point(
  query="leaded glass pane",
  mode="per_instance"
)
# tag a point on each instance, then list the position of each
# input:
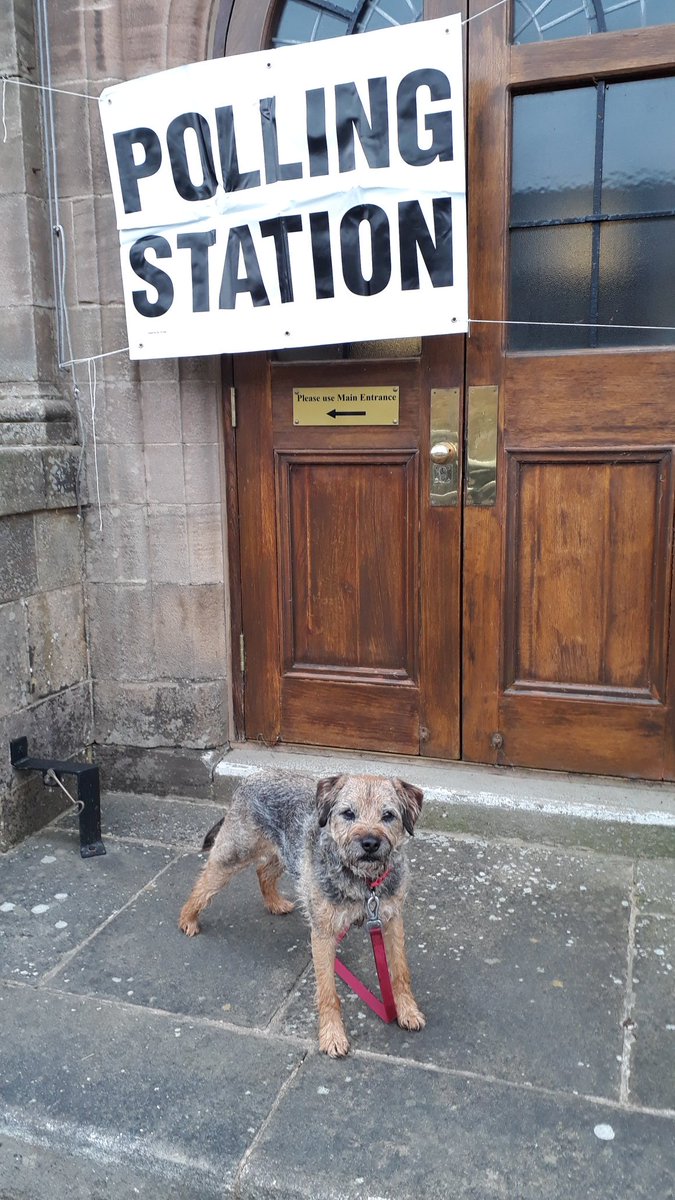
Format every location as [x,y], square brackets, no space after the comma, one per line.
[637,268]
[546,20]
[550,281]
[638,174]
[553,155]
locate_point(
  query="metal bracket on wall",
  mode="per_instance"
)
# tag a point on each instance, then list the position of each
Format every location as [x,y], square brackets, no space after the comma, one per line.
[88,795]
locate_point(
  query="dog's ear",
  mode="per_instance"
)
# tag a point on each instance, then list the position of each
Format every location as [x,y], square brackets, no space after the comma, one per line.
[326,795]
[411,800]
[212,834]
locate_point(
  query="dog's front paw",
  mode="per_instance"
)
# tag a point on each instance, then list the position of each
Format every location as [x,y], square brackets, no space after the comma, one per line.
[280,906]
[189,925]
[409,1015]
[333,1041]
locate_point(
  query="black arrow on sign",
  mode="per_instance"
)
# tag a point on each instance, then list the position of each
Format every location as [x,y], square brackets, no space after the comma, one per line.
[334,412]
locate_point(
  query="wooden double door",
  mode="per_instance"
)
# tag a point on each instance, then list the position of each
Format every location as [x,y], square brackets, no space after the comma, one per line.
[530,622]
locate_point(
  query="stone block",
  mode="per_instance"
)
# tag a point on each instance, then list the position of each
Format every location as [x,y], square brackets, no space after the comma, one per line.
[200,404]
[114,336]
[57,727]
[22,164]
[164,474]
[161,407]
[120,630]
[18,565]
[27,807]
[205,369]
[202,474]
[104,37]
[67,47]
[18,349]
[74,157]
[205,543]
[59,550]
[22,479]
[56,640]
[15,250]
[107,239]
[189,626]
[14,667]
[84,261]
[121,473]
[121,419]
[119,552]
[157,771]
[161,714]
[168,543]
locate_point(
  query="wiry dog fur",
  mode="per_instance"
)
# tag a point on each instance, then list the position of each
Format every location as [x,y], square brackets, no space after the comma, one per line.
[335,836]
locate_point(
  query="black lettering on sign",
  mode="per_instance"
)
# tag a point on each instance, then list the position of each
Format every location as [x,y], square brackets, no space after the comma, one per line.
[233,179]
[198,244]
[274,170]
[240,240]
[130,171]
[316,131]
[414,235]
[175,140]
[351,119]
[438,123]
[279,228]
[152,275]
[321,254]
[350,243]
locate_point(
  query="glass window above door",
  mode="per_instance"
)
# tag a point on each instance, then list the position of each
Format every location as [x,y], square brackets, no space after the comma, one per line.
[544,20]
[314,20]
[593,216]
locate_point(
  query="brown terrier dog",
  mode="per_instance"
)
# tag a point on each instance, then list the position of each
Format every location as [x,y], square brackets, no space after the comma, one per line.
[339,838]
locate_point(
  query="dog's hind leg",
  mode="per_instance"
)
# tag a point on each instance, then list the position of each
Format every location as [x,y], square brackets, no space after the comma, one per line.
[269,874]
[215,876]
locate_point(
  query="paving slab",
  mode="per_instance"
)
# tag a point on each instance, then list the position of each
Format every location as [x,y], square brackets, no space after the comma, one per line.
[182,1100]
[172,822]
[518,961]
[371,1130]
[652,1075]
[51,899]
[240,968]
[656,886]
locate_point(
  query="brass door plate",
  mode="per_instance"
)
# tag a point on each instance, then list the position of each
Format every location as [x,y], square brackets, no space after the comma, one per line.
[444,477]
[481,447]
[345,406]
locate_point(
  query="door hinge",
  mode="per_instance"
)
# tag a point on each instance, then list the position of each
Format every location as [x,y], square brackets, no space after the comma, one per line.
[242,654]
[233,406]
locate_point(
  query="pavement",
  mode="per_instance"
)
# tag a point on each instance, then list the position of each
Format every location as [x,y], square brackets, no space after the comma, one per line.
[137,1063]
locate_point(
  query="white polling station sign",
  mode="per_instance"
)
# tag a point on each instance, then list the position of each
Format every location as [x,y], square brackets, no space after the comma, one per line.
[293,197]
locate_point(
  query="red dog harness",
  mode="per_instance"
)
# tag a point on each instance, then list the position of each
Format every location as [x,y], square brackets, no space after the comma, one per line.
[386,1007]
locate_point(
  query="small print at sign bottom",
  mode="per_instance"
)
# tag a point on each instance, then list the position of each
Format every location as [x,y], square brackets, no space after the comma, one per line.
[345,406]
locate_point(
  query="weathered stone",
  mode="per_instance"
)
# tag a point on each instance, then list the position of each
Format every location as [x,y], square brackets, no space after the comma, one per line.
[168,543]
[119,552]
[121,419]
[161,413]
[161,714]
[27,807]
[158,770]
[200,403]
[22,479]
[121,614]
[189,624]
[202,474]
[58,727]
[18,573]
[58,546]
[14,672]
[164,471]
[56,640]
[85,269]
[205,542]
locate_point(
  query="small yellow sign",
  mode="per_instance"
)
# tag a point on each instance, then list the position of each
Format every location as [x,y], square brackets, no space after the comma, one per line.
[345,406]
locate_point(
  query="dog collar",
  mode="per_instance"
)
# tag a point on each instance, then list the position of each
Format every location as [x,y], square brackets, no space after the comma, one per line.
[377,882]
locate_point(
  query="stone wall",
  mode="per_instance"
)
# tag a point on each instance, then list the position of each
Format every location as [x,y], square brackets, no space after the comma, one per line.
[146,570]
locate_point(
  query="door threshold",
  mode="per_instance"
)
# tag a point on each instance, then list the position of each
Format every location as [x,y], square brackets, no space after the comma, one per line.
[615,816]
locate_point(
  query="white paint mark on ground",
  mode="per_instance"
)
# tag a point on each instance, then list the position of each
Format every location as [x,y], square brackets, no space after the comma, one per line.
[7,907]
[61,925]
[39,908]
[604,1132]
[48,858]
[60,895]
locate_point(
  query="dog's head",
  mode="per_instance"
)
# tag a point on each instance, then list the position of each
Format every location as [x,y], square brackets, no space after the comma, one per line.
[367,817]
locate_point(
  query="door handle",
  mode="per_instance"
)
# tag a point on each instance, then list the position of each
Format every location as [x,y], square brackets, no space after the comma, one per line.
[444,452]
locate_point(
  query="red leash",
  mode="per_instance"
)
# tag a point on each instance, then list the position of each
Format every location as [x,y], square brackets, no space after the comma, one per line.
[386,1007]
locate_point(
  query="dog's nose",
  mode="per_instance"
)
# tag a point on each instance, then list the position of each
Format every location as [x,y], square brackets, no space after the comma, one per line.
[370,843]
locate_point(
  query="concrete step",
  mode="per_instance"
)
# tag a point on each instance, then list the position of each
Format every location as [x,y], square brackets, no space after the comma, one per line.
[616,816]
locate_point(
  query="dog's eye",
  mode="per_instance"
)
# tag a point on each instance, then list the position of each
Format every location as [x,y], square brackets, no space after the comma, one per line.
[348,814]
[388,815]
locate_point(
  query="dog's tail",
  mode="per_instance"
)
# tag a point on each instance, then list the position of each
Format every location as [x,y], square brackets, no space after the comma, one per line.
[212,834]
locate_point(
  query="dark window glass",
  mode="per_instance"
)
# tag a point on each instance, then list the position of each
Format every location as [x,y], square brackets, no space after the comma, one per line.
[553,155]
[314,20]
[638,173]
[593,215]
[550,281]
[637,282]
[546,20]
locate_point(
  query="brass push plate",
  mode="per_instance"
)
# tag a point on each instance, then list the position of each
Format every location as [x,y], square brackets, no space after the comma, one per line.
[444,476]
[481,454]
[345,406]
